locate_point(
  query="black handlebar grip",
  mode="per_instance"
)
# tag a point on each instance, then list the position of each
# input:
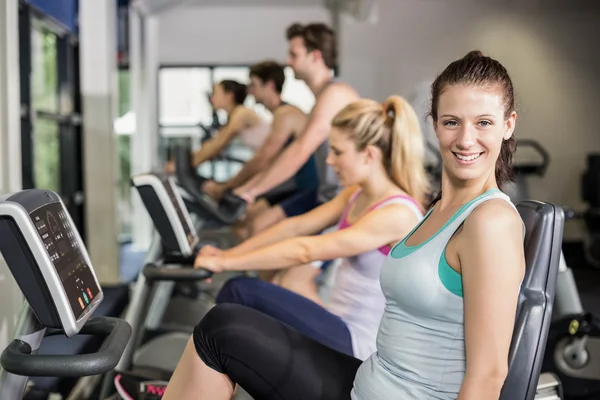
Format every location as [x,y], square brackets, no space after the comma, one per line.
[154,273]
[17,358]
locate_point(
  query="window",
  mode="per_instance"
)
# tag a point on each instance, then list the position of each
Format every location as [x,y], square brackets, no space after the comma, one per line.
[184,91]
[296,92]
[124,92]
[44,71]
[123,129]
[50,102]
[46,153]
[44,101]
[183,99]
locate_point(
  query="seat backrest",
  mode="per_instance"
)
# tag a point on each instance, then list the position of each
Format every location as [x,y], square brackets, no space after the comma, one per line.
[544,225]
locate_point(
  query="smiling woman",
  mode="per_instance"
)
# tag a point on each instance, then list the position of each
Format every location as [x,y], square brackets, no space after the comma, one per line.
[471,138]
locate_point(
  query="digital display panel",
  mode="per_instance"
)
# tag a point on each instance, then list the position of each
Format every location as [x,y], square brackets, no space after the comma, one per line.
[64,249]
[182,213]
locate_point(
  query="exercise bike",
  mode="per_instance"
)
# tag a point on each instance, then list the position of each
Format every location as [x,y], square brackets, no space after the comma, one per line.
[51,266]
[573,347]
[590,193]
[158,336]
[574,337]
[524,170]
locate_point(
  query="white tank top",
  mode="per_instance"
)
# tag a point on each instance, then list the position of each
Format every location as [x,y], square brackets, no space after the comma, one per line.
[356,296]
[255,136]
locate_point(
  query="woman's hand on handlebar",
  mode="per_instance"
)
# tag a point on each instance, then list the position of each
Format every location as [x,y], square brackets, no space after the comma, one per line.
[211,263]
[246,196]
[209,250]
[213,189]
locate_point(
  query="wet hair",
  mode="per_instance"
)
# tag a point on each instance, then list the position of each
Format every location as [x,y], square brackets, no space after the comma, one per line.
[317,36]
[475,69]
[239,90]
[395,129]
[269,71]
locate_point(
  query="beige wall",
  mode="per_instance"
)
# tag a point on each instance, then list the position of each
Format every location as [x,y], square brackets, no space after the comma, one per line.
[229,35]
[547,49]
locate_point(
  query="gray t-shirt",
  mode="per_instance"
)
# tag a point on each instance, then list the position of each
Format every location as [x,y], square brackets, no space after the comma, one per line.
[329,185]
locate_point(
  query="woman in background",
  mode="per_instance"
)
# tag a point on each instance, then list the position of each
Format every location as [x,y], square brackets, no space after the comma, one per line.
[243,122]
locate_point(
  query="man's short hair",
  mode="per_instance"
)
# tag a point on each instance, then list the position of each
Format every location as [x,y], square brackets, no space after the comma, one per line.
[269,71]
[317,36]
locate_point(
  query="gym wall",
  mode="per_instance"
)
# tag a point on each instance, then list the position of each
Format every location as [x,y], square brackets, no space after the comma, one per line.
[547,47]
[197,34]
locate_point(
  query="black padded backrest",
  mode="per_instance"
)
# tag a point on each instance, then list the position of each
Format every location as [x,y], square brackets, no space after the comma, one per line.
[544,225]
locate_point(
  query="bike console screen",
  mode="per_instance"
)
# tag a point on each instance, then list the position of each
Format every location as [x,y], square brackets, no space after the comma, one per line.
[180,209]
[64,249]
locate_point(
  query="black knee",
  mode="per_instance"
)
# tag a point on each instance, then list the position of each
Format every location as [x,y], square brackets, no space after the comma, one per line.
[213,332]
[237,291]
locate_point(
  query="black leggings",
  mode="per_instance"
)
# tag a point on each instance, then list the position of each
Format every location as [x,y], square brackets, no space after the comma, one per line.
[269,359]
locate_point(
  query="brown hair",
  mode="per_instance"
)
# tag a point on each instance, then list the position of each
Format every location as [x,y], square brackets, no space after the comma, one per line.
[395,128]
[269,71]
[317,37]
[237,89]
[475,69]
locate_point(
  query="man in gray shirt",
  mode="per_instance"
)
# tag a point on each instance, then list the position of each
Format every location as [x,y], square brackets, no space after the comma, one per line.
[312,56]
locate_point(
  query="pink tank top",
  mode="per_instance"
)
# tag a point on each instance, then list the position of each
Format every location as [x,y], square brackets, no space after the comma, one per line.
[409,201]
[255,136]
[356,295]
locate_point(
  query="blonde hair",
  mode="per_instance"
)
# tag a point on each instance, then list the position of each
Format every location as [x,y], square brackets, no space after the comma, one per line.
[393,127]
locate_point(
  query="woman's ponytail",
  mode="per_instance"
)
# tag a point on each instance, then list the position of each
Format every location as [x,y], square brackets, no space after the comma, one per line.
[406,164]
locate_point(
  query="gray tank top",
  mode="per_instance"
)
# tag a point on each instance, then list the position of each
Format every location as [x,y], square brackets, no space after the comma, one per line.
[420,344]
[329,186]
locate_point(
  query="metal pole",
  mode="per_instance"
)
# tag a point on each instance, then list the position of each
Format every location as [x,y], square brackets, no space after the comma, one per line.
[335,9]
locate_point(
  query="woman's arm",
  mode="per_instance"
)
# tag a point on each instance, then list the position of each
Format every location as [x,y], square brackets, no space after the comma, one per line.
[282,128]
[492,263]
[310,223]
[239,119]
[378,228]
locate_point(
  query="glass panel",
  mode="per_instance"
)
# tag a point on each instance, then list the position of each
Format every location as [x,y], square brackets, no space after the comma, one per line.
[124,128]
[183,96]
[44,71]
[239,74]
[124,92]
[124,208]
[296,92]
[46,154]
